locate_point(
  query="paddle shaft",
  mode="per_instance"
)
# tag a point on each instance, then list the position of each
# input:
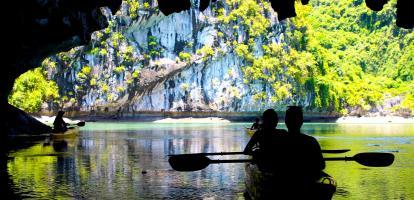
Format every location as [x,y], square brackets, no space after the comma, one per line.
[340,159]
[367,159]
[242,153]
[250,160]
[194,162]
[230,161]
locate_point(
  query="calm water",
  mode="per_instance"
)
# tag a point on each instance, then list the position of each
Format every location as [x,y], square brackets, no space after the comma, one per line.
[129,161]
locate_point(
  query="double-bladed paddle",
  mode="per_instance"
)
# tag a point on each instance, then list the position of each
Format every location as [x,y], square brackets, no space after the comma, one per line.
[243,153]
[194,162]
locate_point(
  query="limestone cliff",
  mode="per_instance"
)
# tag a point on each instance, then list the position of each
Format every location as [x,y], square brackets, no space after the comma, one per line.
[235,56]
[187,61]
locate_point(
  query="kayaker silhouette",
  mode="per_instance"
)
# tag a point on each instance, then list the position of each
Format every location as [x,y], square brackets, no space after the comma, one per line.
[59,125]
[262,144]
[293,158]
[303,155]
[255,125]
[299,160]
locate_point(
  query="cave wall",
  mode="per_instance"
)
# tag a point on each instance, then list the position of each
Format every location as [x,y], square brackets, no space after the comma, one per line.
[35,29]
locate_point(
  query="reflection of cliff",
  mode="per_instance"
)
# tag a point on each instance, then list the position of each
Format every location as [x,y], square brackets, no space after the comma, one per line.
[104,164]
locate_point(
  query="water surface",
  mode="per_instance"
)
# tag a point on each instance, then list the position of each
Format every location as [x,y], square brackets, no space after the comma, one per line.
[129,161]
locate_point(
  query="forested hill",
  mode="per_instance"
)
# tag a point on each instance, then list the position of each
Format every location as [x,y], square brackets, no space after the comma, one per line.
[335,56]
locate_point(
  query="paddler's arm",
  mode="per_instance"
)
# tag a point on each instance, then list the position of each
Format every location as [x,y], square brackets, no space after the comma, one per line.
[321,161]
[253,141]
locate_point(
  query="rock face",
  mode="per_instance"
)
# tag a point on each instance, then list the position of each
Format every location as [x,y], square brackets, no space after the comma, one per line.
[186,61]
[193,60]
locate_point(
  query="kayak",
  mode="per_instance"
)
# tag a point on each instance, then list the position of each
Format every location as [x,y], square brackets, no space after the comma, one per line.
[250,132]
[70,133]
[266,185]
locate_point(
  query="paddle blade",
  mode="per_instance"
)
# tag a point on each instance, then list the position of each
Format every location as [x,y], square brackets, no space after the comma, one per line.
[184,163]
[374,159]
[81,123]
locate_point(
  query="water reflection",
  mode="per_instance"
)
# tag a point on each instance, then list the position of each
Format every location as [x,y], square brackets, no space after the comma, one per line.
[104,164]
[130,159]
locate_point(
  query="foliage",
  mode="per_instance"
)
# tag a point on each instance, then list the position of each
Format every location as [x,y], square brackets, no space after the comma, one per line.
[133,8]
[329,62]
[31,89]
[153,47]
[92,82]
[248,13]
[127,53]
[84,74]
[135,74]
[103,52]
[120,89]
[116,38]
[206,51]
[185,86]
[184,56]
[146,5]
[119,69]
[105,88]
[95,51]
[49,63]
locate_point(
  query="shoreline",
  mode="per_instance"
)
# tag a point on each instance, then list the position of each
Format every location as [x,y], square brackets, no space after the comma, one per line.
[226,119]
[193,120]
[375,120]
[151,116]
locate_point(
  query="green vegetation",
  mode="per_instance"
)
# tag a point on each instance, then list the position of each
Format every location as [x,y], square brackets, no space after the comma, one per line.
[333,63]
[153,47]
[133,8]
[352,65]
[249,14]
[146,5]
[84,75]
[184,56]
[185,86]
[103,52]
[206,51]
[135,74]
[119,69]
[32,89]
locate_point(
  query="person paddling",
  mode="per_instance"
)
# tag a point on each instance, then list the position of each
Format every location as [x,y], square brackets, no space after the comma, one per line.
[59,125]
[262,144]
[305,155]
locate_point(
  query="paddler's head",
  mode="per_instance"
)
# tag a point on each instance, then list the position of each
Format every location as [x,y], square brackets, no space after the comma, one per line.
[294,119]
[270,119]
[60,113]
